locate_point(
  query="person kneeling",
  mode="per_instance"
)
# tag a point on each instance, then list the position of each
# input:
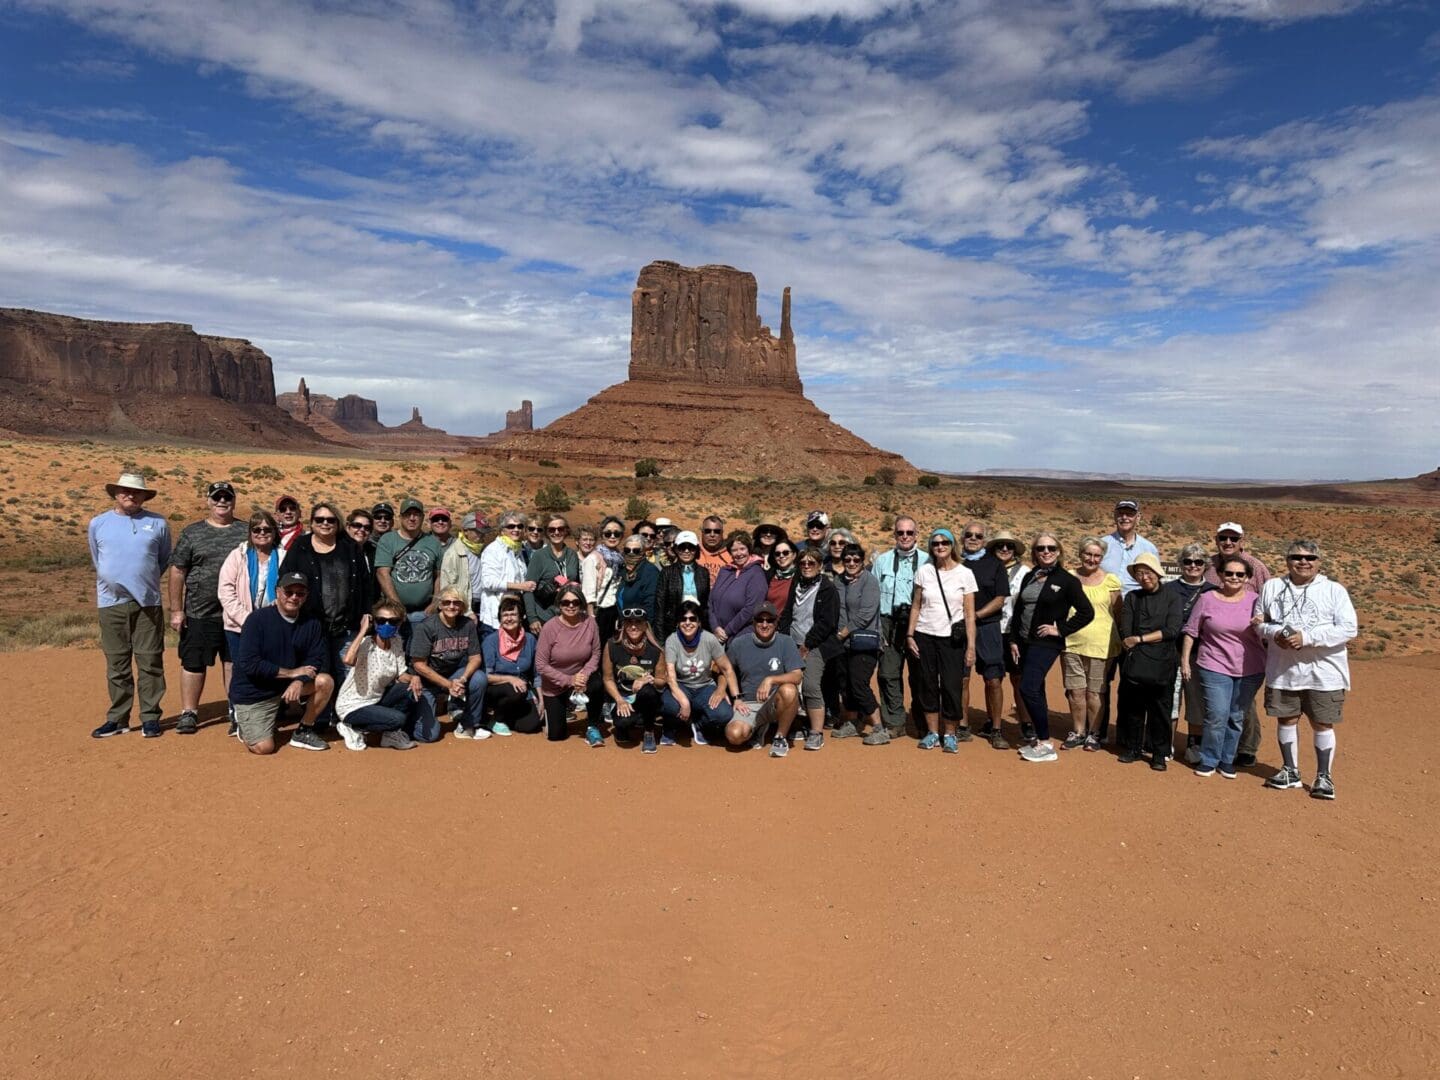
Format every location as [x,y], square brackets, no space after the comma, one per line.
[769,669]
[634,670]
[281,661]
[379,694]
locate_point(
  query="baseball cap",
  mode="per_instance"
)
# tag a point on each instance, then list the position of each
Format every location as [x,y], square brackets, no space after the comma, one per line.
[439,511]
[382,508]
[220,487]
[818,517]
[767,608]
[1128,504]
[292,578]
[1230,526]
[687,537]
[409,503]
[283,499]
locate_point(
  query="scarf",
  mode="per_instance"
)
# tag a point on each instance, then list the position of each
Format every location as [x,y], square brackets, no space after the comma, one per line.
[287,536]
[473,548]
[511,542]
[692,641]
[785,575]
[510,646]
[262,596]
[804,585]
[611,556]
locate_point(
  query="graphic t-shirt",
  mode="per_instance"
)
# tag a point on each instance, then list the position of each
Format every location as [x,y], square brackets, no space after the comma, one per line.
[413,567]
[694,669]
[629,667]
[199,555]
[754,663]
[445,648]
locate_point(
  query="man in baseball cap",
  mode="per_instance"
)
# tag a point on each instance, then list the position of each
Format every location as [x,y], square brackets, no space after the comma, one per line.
[769,670]
[439,518]
[407,566]
[817,527]
[287,516]
[382,519]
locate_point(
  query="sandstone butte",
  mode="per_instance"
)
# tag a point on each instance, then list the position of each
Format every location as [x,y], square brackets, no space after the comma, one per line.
[711,392]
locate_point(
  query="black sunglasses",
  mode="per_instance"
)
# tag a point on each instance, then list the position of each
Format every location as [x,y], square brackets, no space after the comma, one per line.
[1046,547]
[712,532]
[904,532]
[974,536]
[1192,562]
[611,534]
[764,620]
[571,602]
[1242,574]
[1302,558]
[363,526]
[324,521]
[261,530]
[388,620]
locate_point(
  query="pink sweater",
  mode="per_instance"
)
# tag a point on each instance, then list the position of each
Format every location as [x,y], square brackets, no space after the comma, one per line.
[563,651]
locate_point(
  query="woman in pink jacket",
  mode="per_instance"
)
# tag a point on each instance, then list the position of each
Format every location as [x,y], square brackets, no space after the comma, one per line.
[248,576]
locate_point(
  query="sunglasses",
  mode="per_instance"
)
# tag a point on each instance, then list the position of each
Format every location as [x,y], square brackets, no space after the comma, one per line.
[904,532]
[837,543]
[388,620]
[1303,558]
[686,547]
[611,534]
[852,558]
[324,521]
[1046,547]
[572,602]
[634,613]
[532,528]
[974,536]
[362,526]
[560,530]
[222,498]
[261,530]
[707,532]
[634,551]
[511,527]
[689,618]
[295,590]
[1005,545]
[646,535]
[452,603]
[940,543]
[1242,574]
[1228,538]
[783,553]
[439,521]
[1192,562]
[764,620]
[384,517]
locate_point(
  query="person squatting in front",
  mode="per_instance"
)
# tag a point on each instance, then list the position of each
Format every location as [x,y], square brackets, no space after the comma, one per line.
[768,667]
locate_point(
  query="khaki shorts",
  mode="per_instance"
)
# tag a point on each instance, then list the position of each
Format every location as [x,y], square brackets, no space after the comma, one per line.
[1083,672]
[1322,706]
[259,721]
[762,713]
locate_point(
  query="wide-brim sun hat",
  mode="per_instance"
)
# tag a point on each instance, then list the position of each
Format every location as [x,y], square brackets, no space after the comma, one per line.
[133,482]
[1002,537]
[1147,560]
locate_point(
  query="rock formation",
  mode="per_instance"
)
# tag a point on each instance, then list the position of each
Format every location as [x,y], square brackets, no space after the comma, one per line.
[521,419]
[711,392]
[60,374]
[353,420]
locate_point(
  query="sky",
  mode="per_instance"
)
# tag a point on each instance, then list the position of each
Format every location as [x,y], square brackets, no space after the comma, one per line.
[1162,237]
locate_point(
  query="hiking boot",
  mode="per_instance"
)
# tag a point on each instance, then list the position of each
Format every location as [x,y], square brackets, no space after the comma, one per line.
[879,737]
[354,740]
[397,740]
[188,724]
[780,746]
[930,741]
[305,737]
[997,739]
[1074,741]
[1322,787]
[1283,780]
[110,727]
[648,745]
[814,740]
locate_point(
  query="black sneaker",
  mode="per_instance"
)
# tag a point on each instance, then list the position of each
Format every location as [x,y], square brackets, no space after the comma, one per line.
[307,738]
[1243,761]
[188,723]
[1027,733]
[963,733]
[150,729]
[1322,787]
[1157,762]
[1074,741]
[109,728]
[1128,757]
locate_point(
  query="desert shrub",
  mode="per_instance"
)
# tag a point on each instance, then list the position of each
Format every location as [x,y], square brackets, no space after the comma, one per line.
[889,503]
[1411,578]
[311,470]
[749,513]
[552,497]
[636,508]
[266,472]
[449,466]
[886,475]
[546,463]
[1157,521]
[647,467]
[842,521]
[56,630]
[870,481]
[928,480]
[978,506]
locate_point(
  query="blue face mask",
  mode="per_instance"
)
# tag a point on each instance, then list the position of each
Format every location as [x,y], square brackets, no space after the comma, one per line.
[385,631]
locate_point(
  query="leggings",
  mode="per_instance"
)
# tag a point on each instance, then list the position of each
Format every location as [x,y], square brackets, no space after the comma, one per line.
[644,713]
[556,730]
[1036,660]
[859,667]
[511,707]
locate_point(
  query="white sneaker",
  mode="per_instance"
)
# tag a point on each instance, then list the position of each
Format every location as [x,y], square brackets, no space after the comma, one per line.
[397,740]
[1039,752]
[480,733]
[354,740]
[463,732]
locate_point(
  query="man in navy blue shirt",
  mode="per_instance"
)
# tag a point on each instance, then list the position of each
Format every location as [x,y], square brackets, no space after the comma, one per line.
[280,661]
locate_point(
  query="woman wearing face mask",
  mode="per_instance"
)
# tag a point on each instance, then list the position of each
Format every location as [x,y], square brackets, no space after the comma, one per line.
[811,617]
[510,692]
[379,693]
[682,579]
[600,577]
[1050,606]
[633,667]
[781,574]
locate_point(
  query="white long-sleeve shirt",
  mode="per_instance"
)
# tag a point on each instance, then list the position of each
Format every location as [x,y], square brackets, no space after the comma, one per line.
[500,566]
[598,582]
[1325,617]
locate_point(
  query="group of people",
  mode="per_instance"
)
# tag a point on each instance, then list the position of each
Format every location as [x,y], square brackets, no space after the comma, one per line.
[375,625]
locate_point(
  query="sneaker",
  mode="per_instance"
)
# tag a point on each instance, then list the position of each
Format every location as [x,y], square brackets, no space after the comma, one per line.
[1228,771]
[798,735]
[150,729]
[780,746]
[1322,787]
[1074,741]
[879,737]
[479,734]
[188,723]
[997,740]
[1041,751]
[666,739]
[814,740]
[930,741]
[396,740]
[111,727]
[593,738]
[463,732]
[307,738]
[1128,757]
[1093,745]
[847,730]
[354,740]
[234,731]
[963,733]
[1157,762]
[697,736]
[950,744]
[1204,770]
[648,745]
[501,729]
[1283,780]
[1192,755]
[1244,761]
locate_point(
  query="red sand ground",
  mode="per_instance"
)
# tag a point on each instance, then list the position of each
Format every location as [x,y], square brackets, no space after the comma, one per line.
[515,909]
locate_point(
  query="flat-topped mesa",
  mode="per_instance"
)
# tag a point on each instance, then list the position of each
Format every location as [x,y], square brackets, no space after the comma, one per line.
[702,324]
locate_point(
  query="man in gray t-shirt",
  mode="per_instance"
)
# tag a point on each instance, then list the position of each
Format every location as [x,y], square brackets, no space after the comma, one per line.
[769,669]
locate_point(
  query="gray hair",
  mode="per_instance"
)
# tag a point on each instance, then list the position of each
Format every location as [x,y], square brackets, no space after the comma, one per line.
[513,515]
[1092,541]
[1309,547]
[843,534]
[1194,551]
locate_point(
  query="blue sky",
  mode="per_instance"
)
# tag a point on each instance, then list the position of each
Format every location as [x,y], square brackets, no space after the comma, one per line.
[1175,237]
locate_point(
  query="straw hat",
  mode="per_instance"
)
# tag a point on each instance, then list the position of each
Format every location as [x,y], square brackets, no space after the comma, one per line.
[1003,537]
[133,481]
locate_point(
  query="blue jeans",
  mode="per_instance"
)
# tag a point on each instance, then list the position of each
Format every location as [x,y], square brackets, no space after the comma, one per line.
[396,709]
[1225,698]
[709,721]
[1036,660]
[435,700]
[335,648]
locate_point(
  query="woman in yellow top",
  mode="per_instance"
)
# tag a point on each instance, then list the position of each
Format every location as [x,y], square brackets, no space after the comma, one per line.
[1088,651]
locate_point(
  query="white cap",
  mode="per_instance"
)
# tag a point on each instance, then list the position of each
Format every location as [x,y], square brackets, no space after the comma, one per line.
[663,523]
[1230,526]
[686,537]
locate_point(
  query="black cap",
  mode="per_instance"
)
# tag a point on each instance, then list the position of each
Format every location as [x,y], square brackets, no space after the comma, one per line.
[292,578]
[382,508]
[220,487]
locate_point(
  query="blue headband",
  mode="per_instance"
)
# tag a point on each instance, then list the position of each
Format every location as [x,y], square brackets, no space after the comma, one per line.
[946,533]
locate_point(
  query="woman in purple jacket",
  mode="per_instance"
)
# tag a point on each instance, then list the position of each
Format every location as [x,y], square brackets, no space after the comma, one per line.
[738,589]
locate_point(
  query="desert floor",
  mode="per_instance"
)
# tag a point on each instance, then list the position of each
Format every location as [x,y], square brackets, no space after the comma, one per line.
[512,908]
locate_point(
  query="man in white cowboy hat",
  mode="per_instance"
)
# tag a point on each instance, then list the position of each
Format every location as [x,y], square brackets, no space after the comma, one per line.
[130,547]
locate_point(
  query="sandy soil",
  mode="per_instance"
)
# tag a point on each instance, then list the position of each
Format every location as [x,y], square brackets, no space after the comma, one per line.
[516,909]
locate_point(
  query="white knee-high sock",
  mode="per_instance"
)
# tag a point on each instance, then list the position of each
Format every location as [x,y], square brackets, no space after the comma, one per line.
[1289,736]
[1324,751]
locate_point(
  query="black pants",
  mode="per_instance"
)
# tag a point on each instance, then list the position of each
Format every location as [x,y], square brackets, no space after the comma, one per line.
[606,620]
[514,709]
[859,667]
[1144,709]
[942,674]
[644,714]
[556,729]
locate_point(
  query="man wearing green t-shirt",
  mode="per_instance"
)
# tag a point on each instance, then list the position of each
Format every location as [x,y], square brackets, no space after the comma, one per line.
[407,564]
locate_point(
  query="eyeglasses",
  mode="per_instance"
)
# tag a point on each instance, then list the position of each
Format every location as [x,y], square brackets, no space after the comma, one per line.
[295,590]
[324,521]
[837,543]
[1124,513]
[634,613]
[764,620]
[1303,558]
[388,620]
[689,618]
[974,536]
[512,611]
[1242,574]
[1046,547]
[1192,562]
[222,498]
[412,512]
[532,528]
[557,530]
[814,564]
[384,517]
[360,526]
[940,543]
[783,553]
[646,535]
[261,530]
[685,547]
[439,521]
